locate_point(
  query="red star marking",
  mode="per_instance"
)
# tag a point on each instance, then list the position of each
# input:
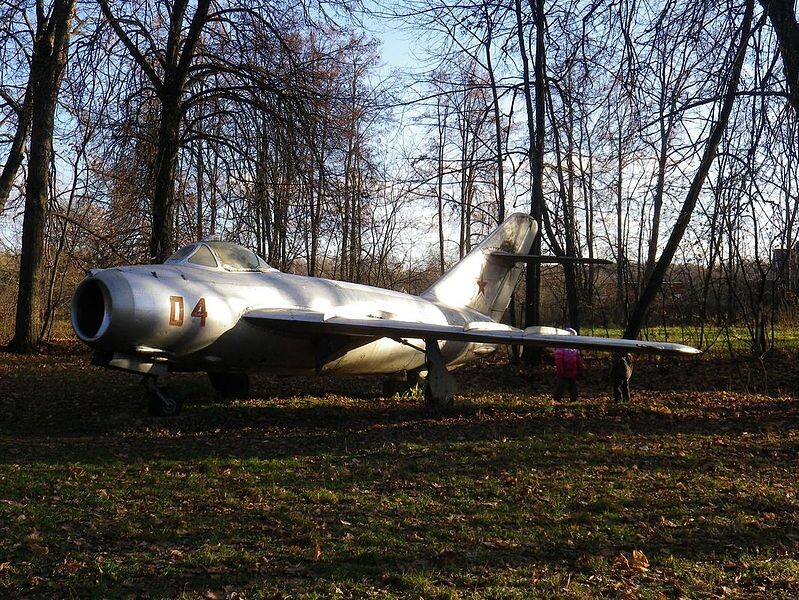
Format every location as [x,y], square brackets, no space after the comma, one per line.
[481,286]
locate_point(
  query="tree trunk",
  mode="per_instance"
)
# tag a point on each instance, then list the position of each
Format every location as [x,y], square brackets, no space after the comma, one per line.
[17,150]
[47,68]
[783,20]
[200,190]
[442,125]
[533,278]
[621,279]
[497,119]
[162,237]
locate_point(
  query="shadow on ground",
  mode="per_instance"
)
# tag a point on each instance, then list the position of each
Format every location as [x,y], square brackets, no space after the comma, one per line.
[315,485]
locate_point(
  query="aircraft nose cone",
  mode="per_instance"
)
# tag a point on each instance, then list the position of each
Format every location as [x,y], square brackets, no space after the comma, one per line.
[98,303]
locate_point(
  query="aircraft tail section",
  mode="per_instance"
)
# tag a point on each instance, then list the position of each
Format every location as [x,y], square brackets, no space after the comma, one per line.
[484,279]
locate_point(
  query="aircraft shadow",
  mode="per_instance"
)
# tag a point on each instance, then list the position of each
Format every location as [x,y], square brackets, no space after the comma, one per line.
[391,447]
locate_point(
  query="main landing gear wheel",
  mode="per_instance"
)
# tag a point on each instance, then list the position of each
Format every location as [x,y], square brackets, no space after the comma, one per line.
[161,401]
[231,385]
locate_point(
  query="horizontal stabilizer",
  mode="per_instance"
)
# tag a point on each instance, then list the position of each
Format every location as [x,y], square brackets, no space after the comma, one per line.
[308,322]
[541,259]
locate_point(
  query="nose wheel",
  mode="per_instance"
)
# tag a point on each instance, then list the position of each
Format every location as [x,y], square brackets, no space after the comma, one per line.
[161,401]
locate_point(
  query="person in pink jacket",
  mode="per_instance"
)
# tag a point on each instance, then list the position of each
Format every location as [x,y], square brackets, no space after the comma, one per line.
[568,367]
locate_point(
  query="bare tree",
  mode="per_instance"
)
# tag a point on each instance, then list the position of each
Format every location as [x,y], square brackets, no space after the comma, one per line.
[168,70]
[655,280]
[48,60]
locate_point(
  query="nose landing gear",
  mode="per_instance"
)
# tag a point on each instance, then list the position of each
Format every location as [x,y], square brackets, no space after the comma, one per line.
[161,401]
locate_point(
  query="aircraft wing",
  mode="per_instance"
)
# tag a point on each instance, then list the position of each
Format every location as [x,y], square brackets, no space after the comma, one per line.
[487,332]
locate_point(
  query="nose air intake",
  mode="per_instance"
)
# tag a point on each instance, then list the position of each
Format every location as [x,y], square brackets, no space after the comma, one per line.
[91,310]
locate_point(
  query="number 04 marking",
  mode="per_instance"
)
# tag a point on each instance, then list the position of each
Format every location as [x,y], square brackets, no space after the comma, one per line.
[200,312]
[176,311]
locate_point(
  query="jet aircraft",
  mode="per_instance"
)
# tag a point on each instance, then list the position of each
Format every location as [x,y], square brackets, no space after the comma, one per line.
[217,307]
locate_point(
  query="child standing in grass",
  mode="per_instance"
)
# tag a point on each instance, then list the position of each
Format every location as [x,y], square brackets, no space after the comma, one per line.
[568,367]
[621,369]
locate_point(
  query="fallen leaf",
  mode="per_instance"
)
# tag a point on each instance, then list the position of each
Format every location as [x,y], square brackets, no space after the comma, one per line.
[38,549]
[34,536]
[69,566]
[640,561]
[217,570]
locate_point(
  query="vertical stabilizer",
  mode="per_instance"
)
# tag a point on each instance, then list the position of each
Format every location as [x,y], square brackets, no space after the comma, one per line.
[484,282]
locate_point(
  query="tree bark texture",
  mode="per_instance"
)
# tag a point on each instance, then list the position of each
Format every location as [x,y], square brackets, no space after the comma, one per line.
[783,19]
[17,150]
[47,68]
[533,275]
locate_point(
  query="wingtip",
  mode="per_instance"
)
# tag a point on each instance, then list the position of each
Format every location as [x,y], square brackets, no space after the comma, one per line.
[689,350]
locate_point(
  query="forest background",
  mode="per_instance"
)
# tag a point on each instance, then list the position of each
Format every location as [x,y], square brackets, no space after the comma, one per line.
[660,135]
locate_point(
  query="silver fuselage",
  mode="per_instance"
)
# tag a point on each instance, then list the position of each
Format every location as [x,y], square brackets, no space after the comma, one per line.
[189,318]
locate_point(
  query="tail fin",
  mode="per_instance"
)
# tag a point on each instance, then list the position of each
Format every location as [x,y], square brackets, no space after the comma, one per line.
[482,280]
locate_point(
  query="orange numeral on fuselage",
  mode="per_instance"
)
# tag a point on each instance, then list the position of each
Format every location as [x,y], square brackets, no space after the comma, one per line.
[199,311]
[176,311]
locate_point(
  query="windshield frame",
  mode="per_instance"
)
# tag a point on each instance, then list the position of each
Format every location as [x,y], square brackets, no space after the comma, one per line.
[229,256]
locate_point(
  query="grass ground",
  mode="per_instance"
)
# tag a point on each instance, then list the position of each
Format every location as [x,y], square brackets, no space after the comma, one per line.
[320,488]
[718,342]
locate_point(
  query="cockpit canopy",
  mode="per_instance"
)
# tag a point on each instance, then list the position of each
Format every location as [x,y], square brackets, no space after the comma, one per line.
[219,255]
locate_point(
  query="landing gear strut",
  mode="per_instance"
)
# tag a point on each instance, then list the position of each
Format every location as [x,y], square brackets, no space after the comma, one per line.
[439,387]
[161,401]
